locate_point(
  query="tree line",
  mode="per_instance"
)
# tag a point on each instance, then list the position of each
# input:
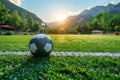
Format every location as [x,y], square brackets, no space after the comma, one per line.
[21,23]
[106,22]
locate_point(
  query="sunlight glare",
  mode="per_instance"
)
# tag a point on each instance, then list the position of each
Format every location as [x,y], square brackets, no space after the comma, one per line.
[61,17]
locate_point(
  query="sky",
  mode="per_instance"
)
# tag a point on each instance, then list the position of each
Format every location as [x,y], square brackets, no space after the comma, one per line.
[56,10]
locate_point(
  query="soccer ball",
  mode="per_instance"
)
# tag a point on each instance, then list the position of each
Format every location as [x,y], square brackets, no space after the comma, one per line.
[41,45]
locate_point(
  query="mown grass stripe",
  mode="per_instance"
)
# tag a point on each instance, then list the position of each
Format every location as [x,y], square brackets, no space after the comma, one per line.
[68,53]
[65,43]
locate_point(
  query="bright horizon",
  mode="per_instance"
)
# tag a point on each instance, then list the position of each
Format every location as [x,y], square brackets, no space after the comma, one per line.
[58,10]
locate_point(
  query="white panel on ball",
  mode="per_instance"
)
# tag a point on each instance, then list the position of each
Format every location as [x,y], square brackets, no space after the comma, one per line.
[49,37]
[33,48]
[48,47]
[40,36]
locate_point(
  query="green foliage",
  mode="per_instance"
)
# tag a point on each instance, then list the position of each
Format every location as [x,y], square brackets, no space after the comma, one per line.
[76,43]
[104,21]
[101,21]
[3,14]
[115,23]
[95,24]
[16,20]
[14,67]
[83,29]
[79,29]
[31,23]
[36,27]
[20,10]
[22,23]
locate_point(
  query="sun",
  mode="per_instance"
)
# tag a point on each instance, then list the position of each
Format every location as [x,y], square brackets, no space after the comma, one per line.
[60,17]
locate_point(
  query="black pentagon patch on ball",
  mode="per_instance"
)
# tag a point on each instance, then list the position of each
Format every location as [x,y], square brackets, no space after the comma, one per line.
[41,45]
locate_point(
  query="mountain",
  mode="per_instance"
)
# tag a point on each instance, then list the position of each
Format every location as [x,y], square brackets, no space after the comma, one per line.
[12,7]
[86,15]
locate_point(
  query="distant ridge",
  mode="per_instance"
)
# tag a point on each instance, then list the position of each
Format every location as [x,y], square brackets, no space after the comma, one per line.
[86,15]
[12,7]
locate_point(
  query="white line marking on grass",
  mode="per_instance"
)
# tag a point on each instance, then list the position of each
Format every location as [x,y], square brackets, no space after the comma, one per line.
[85,54]
[17,52]
[69,53]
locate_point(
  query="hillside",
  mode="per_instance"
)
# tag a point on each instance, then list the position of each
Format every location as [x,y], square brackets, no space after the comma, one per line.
[12,7]
[86,15]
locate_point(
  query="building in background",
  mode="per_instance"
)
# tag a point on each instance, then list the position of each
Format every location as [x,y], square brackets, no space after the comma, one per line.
[7,29]
[97,32]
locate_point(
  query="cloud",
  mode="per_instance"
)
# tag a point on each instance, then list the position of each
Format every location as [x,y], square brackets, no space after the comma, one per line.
[113,2]
[72,13]
[89,8]
[17,2]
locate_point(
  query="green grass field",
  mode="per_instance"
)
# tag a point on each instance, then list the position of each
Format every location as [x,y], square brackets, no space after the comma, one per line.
[18,67]
[81,43]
